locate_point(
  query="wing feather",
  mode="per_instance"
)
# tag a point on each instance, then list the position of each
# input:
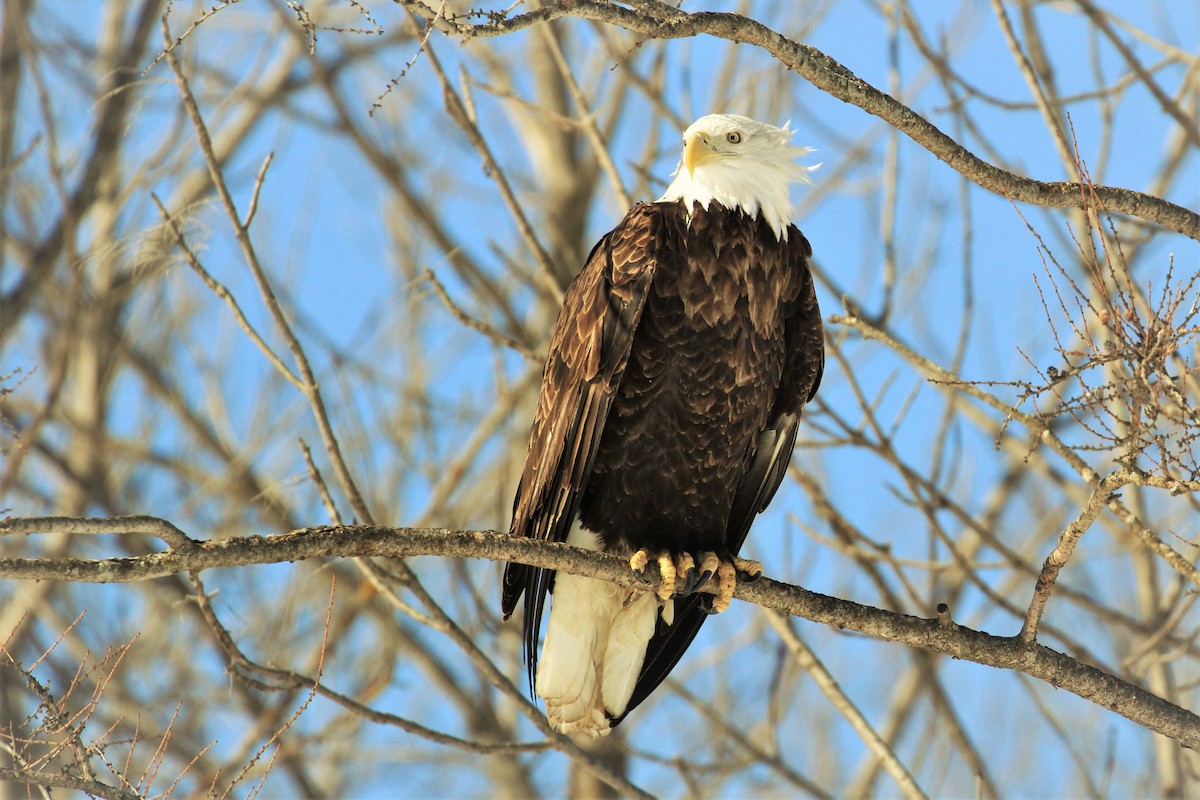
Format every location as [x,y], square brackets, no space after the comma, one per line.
[589,350]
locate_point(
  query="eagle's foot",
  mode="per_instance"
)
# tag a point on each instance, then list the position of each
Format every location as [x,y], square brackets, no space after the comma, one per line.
[747,571]
[682,575]
[728,574]
[726,582]
[669,568]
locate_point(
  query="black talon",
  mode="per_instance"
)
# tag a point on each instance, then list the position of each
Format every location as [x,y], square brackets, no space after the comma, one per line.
[748,577]
[689,583]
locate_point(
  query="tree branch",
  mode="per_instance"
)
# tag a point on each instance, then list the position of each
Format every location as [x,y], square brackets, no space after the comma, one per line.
[835,79]
[32,778]
[1102,495]
[936,635]
[808,661]
[953,383]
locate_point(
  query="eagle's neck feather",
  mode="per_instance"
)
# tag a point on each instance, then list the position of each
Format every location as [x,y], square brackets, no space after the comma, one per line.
[749,185]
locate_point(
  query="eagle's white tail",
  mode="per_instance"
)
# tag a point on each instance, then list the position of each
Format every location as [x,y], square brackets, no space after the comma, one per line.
[595,644]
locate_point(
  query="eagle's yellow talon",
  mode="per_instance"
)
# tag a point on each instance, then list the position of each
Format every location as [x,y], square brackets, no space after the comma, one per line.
[748,569]
[726,582]
[666,589]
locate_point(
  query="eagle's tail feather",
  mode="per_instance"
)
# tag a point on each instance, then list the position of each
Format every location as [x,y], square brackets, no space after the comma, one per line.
[595,644]
[627,641]
[568,676]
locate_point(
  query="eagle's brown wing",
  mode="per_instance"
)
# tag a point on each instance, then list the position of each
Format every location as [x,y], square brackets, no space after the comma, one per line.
[588,354]
[765,467]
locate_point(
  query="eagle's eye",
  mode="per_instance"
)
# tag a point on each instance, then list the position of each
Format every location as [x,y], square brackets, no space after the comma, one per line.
[733,137]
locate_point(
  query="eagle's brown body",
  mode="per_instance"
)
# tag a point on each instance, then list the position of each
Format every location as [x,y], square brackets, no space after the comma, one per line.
[708,372]
[678,367]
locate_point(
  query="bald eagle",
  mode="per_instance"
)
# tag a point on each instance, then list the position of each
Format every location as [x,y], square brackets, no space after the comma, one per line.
[679,363]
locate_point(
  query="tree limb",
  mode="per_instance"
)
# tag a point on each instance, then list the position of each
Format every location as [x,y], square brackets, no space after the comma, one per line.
[936,635]
[831,77]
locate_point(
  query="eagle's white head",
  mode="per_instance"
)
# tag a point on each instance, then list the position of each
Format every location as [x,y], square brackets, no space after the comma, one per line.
[740,163]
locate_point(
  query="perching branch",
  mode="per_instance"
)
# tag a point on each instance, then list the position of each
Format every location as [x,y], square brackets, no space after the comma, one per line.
[936,635]
[835,79]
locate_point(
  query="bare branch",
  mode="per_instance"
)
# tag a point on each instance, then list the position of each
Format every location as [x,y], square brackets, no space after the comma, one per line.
[1177,561]
[1066,546]
[830,76]
[937,635]
[242,233]
[90,787]
[809,662]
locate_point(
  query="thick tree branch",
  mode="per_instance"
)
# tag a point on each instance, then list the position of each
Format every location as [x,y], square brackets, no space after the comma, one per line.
[936,635]
[833,78]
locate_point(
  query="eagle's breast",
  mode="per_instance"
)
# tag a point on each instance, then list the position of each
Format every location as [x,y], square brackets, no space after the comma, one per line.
[703,375]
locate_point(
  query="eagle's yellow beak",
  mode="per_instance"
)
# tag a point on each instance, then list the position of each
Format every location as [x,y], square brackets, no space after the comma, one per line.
[697,151]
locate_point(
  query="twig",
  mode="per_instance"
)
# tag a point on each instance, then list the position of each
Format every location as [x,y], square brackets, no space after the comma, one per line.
[312,692]
[1039,92]
[458,112]
[476,325]
[1067,540]
[242,233]
[828,685]
[178,40]
[319,481]
[221,291]
[1186,121]
[587,118]
[949,381]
